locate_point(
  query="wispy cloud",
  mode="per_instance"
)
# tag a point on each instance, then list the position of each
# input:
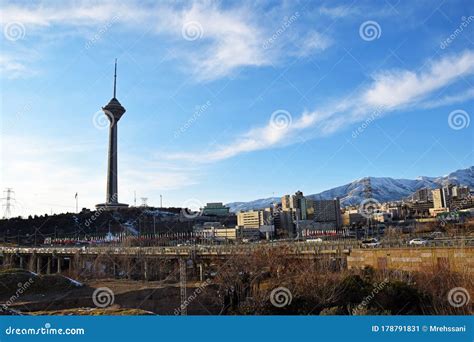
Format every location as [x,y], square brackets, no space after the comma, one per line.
[393,89]
[449,99]
[224,39]
[234,40]
[388,91]
[311,42]
[13,68]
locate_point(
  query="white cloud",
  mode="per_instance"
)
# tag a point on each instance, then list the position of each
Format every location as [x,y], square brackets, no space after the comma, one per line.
[395,88]
[230,38]
[311,42]
[13,68]
[389,91]
[64,13]
[449,99]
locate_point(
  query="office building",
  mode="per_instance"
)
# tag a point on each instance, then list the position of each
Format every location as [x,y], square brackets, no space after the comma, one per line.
[253,218]
[295,203]
[215,209]
[421,195]
[441,197]
[328,211]
[460,192]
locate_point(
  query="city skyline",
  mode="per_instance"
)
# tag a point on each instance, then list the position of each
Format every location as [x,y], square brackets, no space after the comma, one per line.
[314,99]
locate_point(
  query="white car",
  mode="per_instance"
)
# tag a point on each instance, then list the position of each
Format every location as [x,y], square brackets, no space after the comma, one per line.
[316,240]
[370,243]
[419,242]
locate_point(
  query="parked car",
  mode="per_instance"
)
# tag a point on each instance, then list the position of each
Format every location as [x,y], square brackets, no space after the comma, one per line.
[315,240]
[368,243]
[419,241]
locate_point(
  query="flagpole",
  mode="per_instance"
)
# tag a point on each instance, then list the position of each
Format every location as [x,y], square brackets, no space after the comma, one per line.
[76,204]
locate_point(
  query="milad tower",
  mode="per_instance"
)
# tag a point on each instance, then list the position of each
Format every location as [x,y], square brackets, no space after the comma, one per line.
[114,111]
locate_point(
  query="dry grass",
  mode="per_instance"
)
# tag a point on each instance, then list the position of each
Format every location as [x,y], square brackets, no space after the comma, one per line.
[245,284]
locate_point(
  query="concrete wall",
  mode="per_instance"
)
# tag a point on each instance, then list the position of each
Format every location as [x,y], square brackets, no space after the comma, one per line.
[456,259]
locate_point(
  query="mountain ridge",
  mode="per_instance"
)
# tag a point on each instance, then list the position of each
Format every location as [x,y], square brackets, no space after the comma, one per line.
[384,189]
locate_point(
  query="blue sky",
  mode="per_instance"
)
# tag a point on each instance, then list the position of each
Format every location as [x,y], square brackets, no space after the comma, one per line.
[231,102]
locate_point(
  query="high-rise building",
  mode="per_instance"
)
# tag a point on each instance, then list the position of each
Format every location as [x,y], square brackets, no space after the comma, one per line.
[421,195]
[284,223]
[328,211]
[285,203]
[441,197]
[295,203]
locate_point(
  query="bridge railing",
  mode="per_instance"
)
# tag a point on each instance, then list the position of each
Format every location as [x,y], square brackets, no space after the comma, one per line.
[293,247]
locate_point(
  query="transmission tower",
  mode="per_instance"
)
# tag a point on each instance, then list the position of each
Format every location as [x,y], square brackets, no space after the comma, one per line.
[144,201]
[182,283]
[367,188]
[368,197]
[8,205]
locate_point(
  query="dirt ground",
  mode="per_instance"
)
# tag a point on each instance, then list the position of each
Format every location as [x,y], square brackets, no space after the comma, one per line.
[126,297]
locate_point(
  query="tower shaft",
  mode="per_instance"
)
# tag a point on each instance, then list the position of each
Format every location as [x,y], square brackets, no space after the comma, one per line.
[112,170]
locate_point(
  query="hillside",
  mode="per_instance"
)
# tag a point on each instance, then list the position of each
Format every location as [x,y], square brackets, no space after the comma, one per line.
[383,188]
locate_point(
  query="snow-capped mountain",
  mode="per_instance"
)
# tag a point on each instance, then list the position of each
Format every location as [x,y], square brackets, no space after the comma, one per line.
[383,189]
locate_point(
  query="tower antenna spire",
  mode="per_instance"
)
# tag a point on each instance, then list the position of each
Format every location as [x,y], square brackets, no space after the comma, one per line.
[115,78]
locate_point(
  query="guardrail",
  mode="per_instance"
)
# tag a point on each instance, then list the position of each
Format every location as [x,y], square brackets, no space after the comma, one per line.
[293,247]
